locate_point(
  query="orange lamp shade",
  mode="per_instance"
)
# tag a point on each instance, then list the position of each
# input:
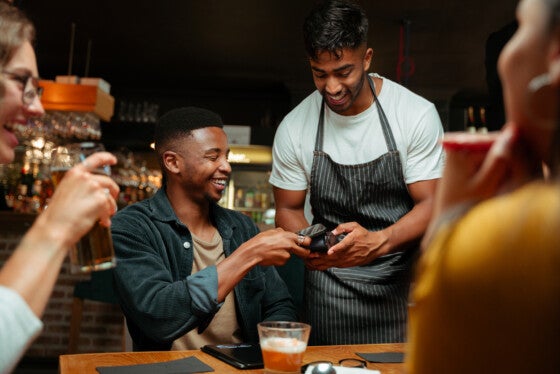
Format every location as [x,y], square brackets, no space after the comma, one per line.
[77,98]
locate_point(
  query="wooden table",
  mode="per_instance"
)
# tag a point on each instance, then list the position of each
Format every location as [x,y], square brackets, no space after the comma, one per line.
[87,362]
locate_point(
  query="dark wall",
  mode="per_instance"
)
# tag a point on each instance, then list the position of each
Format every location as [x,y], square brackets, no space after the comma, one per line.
[245,58]
[261,106]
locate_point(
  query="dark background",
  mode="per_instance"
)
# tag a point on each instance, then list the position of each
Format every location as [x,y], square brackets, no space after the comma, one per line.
[245,58]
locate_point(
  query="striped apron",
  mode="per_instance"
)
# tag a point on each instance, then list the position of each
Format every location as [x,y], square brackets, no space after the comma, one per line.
[362,304]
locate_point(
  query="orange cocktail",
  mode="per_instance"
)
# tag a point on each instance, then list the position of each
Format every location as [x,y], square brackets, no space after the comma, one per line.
[283,344]
[282,355]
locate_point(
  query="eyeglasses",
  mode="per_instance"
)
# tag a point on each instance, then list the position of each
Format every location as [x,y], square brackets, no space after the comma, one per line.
[345,362]
[31,88]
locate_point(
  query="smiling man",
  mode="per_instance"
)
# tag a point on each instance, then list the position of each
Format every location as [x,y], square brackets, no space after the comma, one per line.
[190,272]
[366,153]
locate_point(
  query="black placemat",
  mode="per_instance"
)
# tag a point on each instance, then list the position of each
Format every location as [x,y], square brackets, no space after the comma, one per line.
[180,366]
[384,357]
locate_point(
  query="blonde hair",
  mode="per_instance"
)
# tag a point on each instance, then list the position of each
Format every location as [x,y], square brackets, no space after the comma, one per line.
[15,29]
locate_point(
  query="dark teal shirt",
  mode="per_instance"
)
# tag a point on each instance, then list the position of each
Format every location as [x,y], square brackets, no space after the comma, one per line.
[160,298]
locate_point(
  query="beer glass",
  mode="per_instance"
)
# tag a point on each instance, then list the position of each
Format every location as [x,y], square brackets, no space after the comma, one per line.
[283,345]
[95,250]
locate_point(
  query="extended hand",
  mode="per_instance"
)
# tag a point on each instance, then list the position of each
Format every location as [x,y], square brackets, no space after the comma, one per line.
[273,247]
[359,247]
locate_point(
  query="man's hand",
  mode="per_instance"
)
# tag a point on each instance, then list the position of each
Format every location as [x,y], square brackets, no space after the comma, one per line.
[273,247]
[359,247]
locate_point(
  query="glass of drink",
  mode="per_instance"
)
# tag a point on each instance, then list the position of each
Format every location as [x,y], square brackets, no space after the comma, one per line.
[95,250]
[283,345]
[473,142]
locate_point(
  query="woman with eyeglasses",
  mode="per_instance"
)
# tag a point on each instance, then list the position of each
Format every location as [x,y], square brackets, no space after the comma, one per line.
[81,199]
[486,298]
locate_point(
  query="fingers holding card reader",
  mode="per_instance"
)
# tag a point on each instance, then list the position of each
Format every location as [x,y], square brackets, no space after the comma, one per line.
[321,238]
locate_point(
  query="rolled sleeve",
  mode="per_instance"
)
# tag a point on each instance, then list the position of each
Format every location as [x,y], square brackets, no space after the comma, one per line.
[203,288]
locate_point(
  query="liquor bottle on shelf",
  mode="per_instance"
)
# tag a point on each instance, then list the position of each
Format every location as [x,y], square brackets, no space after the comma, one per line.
[482,128]
[265,200]
[258,196]
[27,179]
[250,198]
[239,198]
[470,125]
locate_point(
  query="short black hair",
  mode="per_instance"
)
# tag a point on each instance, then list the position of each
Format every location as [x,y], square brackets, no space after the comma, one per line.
[334,25]
[181,122]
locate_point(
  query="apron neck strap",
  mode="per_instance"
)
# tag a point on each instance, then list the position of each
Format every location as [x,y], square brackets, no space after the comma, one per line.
[388,134]
[319,136]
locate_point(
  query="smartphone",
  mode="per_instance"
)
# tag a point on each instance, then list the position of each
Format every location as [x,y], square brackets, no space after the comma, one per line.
[314,231]
[241,356]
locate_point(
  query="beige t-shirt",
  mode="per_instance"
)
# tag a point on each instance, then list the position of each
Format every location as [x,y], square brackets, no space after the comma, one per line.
[224,327]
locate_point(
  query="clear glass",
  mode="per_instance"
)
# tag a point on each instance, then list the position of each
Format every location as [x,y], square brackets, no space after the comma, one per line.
[95,250]
[283,345]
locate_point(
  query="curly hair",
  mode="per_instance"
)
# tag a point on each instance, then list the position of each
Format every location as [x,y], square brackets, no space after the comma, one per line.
[334,25]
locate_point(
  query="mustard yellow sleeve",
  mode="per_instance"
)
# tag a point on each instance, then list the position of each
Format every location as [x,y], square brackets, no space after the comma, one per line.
[486,297]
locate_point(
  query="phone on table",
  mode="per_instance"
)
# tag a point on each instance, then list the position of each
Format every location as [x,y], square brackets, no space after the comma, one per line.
[241,356]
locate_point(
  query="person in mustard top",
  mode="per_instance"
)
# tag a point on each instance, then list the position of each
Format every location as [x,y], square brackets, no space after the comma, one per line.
[486,296]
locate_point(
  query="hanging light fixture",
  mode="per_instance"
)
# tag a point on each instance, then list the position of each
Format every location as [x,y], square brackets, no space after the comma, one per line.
[77,98]
[74,110]
[75,106]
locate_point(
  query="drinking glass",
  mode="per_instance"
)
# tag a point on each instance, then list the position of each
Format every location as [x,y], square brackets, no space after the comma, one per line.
[283,345]
[95,250]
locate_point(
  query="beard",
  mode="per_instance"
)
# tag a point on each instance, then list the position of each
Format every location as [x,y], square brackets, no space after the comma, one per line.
[349,93]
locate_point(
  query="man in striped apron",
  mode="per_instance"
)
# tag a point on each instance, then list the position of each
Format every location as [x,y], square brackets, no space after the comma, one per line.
[365,152]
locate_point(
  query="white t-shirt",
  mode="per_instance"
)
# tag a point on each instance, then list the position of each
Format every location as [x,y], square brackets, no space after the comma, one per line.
[350,140]
[19,326]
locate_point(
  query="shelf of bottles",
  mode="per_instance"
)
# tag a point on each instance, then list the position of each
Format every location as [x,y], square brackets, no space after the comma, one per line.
[249,192]
[73,114]
[26,186]
[25,183]
[137,181]
[475,119]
